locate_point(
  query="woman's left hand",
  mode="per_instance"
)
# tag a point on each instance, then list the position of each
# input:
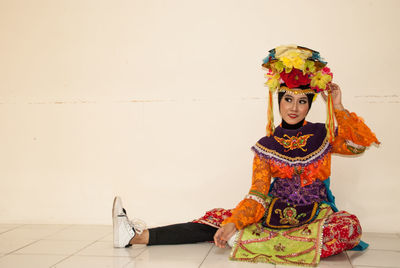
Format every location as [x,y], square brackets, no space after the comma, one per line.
[336,93]
[224,234]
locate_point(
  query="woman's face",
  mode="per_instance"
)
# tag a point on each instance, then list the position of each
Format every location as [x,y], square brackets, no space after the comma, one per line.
[294,107]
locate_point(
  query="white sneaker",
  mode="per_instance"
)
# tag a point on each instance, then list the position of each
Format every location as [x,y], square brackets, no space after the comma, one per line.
[124,229]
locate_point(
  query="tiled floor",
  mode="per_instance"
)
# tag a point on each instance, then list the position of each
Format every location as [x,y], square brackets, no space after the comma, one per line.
[91,246]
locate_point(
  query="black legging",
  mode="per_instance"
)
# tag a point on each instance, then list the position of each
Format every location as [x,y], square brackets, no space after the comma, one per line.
[183,233]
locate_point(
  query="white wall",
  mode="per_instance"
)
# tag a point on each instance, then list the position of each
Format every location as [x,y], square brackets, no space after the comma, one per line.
[160,102]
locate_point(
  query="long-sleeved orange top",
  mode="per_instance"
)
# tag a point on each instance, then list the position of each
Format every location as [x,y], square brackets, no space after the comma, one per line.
[304,152]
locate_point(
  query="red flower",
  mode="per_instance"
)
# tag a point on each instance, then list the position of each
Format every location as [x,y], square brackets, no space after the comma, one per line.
[326,70]
[295,78]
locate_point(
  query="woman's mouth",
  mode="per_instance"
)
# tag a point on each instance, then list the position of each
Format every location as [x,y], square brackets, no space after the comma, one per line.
[293,116]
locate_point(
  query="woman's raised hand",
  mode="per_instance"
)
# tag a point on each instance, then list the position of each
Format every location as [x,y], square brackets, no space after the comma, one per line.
[224,234]
[336,93]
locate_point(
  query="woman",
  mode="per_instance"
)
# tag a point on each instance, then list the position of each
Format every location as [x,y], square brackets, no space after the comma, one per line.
[282,222]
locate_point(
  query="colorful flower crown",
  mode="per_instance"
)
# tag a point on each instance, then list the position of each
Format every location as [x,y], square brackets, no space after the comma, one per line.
[291,67]
[296,66]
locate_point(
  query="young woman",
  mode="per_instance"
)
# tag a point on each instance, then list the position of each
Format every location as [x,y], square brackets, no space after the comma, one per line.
[291,219]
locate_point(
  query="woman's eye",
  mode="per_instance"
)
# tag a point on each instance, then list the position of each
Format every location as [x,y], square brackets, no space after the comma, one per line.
[303,101]
[288,99]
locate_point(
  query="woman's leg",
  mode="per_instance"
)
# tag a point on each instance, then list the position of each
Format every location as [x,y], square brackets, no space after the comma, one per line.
[182,233]
[342,231]
[127,233]
[178,234]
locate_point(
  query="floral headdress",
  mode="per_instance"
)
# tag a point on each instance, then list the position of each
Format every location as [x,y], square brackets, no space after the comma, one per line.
[291,67]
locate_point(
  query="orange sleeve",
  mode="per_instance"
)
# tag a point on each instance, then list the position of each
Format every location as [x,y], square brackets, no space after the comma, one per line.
[252,208]
[353,136]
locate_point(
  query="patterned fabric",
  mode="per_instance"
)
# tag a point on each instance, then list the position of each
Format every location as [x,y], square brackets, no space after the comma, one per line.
[257,199]
[342,231]
[293,142]
[249,211]
[291,191]
[313,147]
[215,217]
[311,162]
[283,215]
[271,160]
[352,130]
[298,246]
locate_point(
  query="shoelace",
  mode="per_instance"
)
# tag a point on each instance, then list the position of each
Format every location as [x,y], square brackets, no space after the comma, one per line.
[138,225]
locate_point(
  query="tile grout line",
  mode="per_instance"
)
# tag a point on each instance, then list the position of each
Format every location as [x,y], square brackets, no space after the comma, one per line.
[11,229]
[144,249]
[348,258]
[35,240]
[73,254]
[11,252]
[208,253]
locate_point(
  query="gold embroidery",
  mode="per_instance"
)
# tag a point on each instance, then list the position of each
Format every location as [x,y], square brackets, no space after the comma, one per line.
[293,159]
[294,142]
[289,216]
[299,91]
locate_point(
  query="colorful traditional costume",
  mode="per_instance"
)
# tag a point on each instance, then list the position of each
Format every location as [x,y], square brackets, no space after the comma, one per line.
[292,218]
[289,215]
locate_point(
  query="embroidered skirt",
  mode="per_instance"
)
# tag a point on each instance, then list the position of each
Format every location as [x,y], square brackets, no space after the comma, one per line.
[329,234]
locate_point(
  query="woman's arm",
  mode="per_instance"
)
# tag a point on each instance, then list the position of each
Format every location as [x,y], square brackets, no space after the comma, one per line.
[252,208]
[353,136]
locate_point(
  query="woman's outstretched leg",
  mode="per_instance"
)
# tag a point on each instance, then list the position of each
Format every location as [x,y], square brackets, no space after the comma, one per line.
[182,233]
[127,233]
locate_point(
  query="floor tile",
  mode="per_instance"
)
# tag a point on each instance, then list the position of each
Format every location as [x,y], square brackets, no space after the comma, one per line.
[53,247]
[7,227]
[10,226]
[81,233]
[98,262]
[341,260]
[43,226]
[362,266]
[10,245]
[219,257]
[373,257]
[30,232]
[2,230]
[164,264]
[31,261]
[108,238]
[189,255]
[92,226]
[382,241]
[102,248]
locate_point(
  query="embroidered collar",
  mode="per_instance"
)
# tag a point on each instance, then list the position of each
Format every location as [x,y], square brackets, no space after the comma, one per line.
[301,146]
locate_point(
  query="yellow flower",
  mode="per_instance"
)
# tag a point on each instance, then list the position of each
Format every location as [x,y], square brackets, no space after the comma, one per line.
[278,66]
[293,59]
[291,56]
[320,80]
[309,67]
[273,82]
